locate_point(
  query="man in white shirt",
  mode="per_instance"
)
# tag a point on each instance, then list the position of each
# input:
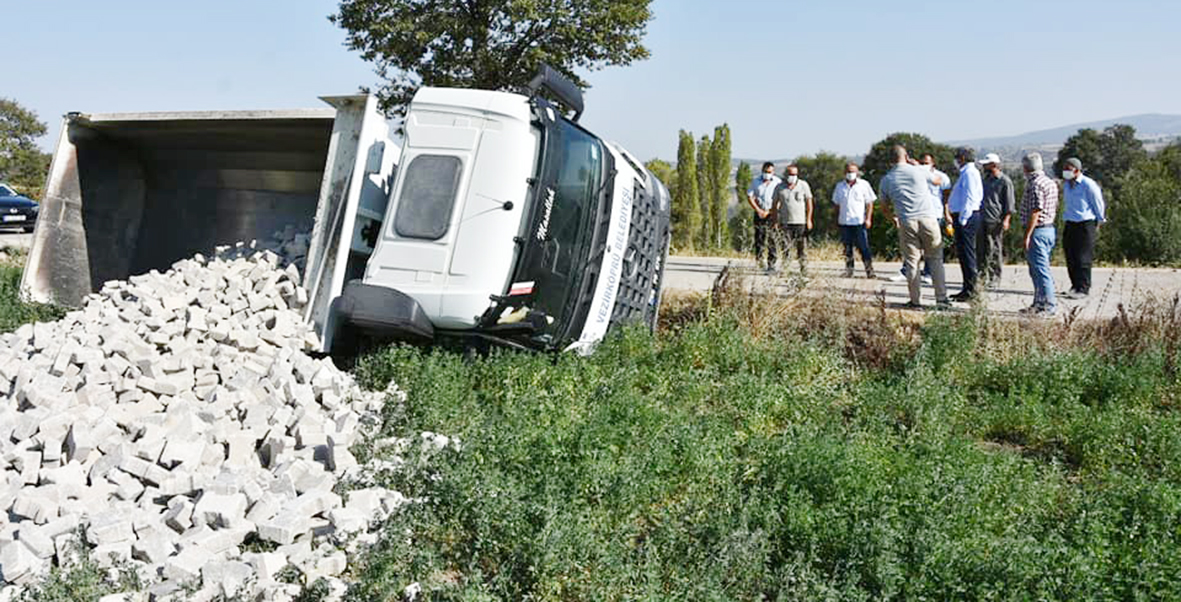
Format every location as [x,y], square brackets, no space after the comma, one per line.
[761,196]
[854,198]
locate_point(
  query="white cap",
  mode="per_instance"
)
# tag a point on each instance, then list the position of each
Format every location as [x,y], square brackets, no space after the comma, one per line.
[990,158]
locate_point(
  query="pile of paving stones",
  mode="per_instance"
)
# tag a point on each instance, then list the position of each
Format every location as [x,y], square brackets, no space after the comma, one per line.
[176,424]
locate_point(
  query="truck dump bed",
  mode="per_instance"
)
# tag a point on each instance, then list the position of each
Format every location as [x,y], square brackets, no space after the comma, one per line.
[132,192]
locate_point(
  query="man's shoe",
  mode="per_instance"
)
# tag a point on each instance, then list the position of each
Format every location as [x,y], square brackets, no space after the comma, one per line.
[912,305]
[927,280]
[848,273]
[870,274]
[1075,294]
[1045,312]
[944,304]
[1032,309]
[962,297]
[898,278]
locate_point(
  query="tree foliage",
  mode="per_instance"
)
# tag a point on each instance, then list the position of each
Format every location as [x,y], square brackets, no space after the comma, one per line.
[741,226]
[719,164]
[665,173]
[686,210]
[705,185]
[1145,222]
[488,44]
[1106,156]
[21,163]
[823,171]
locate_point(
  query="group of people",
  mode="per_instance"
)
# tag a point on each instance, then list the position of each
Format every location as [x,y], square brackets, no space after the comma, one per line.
[976,210]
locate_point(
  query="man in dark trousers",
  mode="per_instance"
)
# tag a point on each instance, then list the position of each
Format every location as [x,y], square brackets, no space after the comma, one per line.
[963,207]
[995,211]
[1083,212]
[761,196]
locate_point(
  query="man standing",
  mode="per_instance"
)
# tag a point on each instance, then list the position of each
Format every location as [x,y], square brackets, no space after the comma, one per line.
[908,186]
[761,196]
[793,207]
[995,211]
[1083,212]
[963,208]
[854,197]
[1039,205]
[939,186]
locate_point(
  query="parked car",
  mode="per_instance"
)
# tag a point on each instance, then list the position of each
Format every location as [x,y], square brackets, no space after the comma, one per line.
[17,211]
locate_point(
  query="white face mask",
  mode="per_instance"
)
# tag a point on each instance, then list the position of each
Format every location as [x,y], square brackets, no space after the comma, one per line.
[1067,174]
[767,176]
[851,177]
[792,179]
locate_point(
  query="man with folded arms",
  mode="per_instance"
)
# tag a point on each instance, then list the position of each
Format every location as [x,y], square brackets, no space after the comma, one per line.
[907,186]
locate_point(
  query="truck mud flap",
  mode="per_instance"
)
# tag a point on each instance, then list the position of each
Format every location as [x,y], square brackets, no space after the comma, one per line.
[383,313]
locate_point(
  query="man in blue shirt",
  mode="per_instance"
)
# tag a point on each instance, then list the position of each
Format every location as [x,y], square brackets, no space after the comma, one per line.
[761,196]
[964,206]
[1083,212]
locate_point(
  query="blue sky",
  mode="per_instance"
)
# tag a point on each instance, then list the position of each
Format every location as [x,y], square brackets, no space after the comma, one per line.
[789,77]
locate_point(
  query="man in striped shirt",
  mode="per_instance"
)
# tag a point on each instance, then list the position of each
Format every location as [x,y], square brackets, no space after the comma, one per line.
[1039,206]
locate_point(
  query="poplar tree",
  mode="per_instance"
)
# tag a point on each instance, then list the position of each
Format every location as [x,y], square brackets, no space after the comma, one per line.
[686,209]
[703,237]
[741,236]
[720,195]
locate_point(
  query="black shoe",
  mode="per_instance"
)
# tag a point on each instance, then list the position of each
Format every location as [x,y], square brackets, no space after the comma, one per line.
[962,297]
[912,305]
[944,304]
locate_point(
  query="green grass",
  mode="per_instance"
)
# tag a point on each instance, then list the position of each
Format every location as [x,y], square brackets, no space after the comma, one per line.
[13,312]
[714,465]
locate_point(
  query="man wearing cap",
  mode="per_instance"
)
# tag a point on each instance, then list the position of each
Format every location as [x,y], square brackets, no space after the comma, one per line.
[793,208]
[1039,205]
[995,209]
[1083,212]
[964,209]
[854,198]
[761,196]
[907,186]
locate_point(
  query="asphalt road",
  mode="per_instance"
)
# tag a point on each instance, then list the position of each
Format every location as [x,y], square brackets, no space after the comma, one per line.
[1109,287]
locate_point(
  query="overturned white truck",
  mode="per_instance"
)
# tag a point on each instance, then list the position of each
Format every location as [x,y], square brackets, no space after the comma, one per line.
[502,221]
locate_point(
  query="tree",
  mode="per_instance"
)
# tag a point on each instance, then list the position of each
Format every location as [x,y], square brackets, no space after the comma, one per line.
[1106,156]
[719,160]
[686,209]
[488,44]
[1145,224]
[705,186]
[741,225]
[823,172]
[21,163]
[878,161]
[665,173]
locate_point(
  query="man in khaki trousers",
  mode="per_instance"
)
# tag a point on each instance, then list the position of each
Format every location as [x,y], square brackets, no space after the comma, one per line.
[907,186]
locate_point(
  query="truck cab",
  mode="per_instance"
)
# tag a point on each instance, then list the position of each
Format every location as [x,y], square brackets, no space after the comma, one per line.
[512,224]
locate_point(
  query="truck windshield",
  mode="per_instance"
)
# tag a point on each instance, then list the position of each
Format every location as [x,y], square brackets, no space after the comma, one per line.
[571,175]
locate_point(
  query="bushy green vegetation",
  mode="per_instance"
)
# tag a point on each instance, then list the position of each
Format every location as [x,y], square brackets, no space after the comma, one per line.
[13,312]
[788,460]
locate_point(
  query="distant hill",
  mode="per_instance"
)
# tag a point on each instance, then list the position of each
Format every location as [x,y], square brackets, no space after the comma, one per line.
[1154,129]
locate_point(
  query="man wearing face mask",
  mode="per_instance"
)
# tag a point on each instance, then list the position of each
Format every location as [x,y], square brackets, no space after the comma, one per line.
[1083,212]
[761,196]
[793,207]
[964,209]
[854,198]
[998,204]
